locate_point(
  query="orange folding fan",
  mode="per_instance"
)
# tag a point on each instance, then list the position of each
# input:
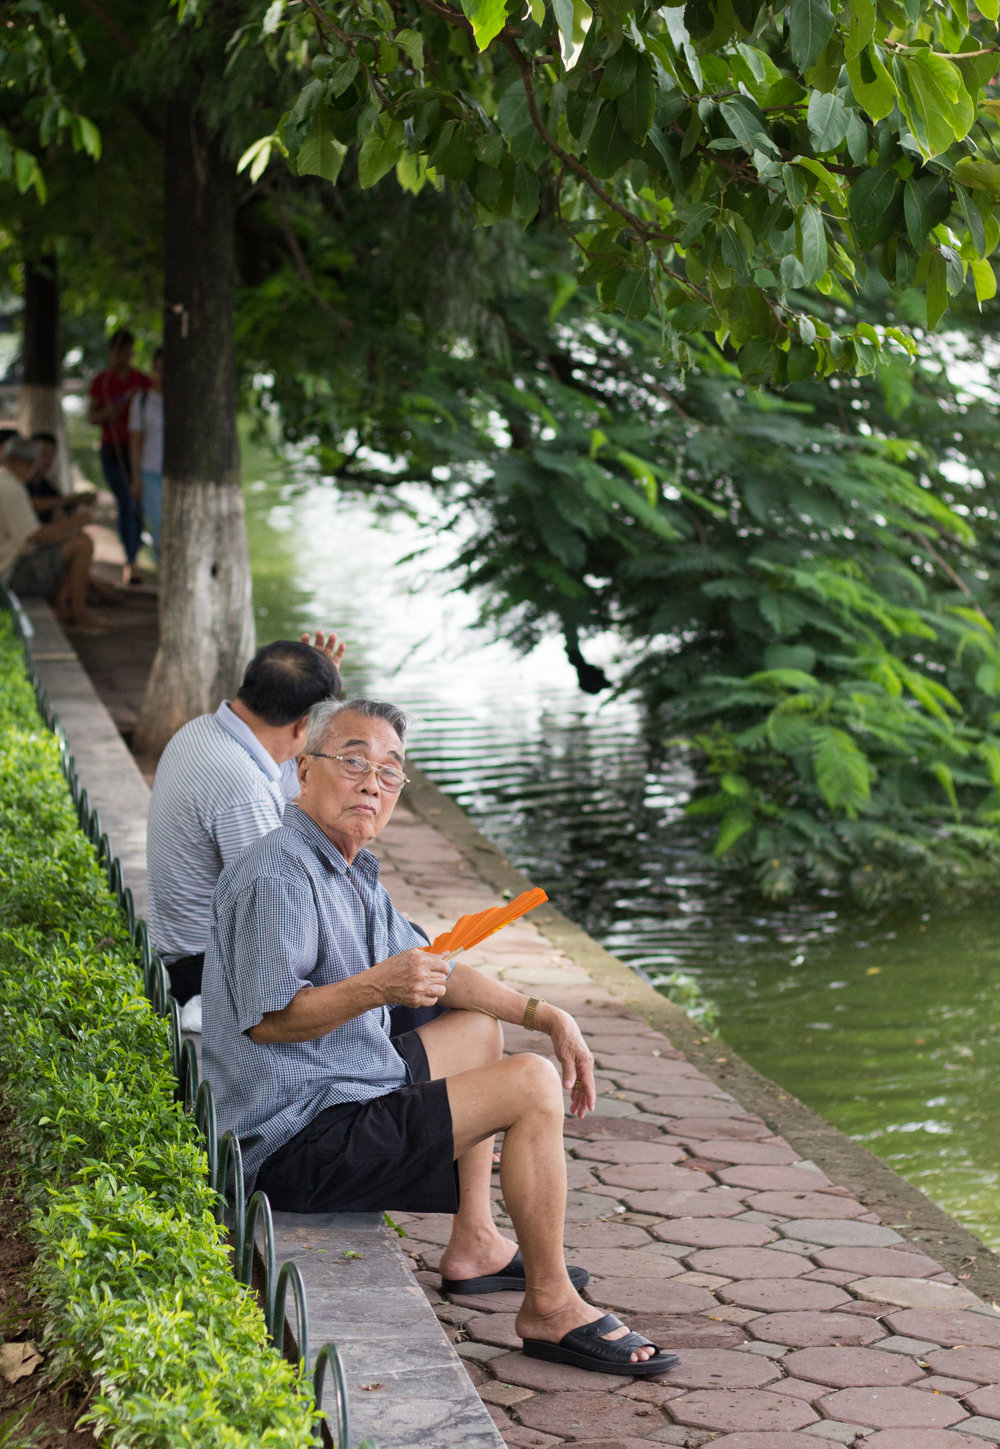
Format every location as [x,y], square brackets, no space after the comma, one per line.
[470,930]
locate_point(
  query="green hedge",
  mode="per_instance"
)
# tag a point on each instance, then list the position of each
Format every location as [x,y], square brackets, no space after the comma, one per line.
[132,1272]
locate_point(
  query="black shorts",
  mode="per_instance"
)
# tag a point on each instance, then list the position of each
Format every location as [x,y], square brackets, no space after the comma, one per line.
[391,1153]
[39,572]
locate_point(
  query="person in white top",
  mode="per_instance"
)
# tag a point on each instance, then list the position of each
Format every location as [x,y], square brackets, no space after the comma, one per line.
[222,782]
[51,559]
[145,446]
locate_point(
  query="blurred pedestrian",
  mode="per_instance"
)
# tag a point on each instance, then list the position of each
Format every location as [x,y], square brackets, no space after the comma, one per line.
[145,446]
[111,394]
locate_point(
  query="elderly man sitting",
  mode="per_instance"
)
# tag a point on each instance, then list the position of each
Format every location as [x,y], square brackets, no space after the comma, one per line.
[306,954]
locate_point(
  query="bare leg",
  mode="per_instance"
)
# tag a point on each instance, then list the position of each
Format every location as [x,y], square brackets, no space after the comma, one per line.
[521,1095]
[453,1042]
[70,599]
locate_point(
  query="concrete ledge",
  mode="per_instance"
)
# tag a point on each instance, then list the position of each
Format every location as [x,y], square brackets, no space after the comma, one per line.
[870,1180]
[408,1387]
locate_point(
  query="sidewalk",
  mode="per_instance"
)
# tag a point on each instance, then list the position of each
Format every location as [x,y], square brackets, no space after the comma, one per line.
[800,1314]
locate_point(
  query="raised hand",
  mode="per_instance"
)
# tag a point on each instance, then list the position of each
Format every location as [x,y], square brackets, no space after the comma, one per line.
[326,644]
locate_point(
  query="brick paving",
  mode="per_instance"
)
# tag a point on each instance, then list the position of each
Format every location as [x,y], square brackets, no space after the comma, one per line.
[800,1318]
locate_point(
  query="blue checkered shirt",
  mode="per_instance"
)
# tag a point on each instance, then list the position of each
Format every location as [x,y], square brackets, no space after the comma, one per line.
[291,913]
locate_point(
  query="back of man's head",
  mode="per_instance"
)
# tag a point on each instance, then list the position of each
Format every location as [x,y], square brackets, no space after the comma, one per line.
[18,451]
[285,679]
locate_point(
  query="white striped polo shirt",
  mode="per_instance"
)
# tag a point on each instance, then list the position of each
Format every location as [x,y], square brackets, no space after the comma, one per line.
[216,792]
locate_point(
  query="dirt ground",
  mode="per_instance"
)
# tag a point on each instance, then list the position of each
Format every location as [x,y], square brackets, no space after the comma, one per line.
[33,1413]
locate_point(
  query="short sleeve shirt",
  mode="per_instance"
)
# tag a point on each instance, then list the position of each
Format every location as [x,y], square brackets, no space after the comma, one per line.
[291,914]
[18,521]
[216,792]
[145,416]
[108,387]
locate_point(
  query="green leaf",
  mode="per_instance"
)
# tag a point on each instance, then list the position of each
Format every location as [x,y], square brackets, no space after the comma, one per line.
[934,100]
[874,88]
[635,105]
[973,220]
[860,28]
[411,42]
[810,25]
[873,205]
[979,176]
[379,153]
[946,780]
[90,137]
[926,203]
[984,278]
[610,144]
[633,296]
[813,243]
[737,785]
[619,73]
[746,124]
[487,17]
[320,153]
[842,770]
[734,825]
[827,118]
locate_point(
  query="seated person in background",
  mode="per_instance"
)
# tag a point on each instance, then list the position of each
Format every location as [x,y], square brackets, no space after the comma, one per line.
[306,954]
[52,559]
[46,499]
[221,783]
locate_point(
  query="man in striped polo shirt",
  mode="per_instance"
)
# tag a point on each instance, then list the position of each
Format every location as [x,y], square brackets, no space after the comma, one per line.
[222,782]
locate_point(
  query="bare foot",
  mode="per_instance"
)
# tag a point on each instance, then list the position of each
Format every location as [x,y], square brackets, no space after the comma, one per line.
[476,1259]
[85,622]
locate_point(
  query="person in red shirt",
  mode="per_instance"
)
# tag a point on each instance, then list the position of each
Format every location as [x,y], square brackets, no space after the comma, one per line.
[111,392]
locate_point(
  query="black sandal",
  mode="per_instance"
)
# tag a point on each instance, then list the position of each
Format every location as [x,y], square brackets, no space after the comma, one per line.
[587,1348]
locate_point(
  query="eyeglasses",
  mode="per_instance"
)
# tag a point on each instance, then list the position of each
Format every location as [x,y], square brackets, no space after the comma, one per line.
[356,767]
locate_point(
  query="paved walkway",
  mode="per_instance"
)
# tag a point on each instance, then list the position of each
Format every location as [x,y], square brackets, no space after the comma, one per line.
[798,1313]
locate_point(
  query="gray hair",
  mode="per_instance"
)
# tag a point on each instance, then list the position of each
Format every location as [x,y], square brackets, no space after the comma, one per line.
[322,716]
[20,450]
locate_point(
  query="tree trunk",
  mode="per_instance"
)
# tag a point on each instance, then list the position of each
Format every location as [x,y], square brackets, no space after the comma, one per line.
[206,622]
[39,403]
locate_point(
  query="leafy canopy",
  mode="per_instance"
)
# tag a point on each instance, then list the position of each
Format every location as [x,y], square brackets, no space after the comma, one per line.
[40,60]
[710,161]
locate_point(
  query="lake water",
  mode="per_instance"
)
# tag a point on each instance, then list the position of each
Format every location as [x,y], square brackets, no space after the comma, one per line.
[886,1025]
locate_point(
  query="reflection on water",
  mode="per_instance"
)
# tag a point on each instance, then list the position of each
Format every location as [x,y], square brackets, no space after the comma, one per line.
[885,1025]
